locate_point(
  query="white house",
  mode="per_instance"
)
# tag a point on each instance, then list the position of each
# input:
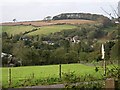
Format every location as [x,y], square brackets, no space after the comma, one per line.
[5,54]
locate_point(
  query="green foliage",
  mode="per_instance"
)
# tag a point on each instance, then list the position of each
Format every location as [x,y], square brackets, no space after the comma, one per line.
[4,35]
[70,77]
[82,82]
[7,45]
[114,53]
[108,47]
[113,72]
[89,85]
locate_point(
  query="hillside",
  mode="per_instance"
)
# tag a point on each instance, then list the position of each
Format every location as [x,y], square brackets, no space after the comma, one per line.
[55,41]
[46,23]
[42,27]
[16,29]
[45,30]
[32,30]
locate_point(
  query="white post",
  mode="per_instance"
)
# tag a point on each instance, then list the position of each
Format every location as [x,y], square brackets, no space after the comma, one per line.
[103,57]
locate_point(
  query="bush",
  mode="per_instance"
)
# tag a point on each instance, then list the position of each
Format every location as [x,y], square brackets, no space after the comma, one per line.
[70,77]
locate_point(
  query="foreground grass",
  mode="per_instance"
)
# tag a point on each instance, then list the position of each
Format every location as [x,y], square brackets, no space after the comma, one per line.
[52,71]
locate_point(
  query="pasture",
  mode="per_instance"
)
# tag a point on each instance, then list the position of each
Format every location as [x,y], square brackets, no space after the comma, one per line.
[20,73]
[40,30]
[44,30]
[16,29]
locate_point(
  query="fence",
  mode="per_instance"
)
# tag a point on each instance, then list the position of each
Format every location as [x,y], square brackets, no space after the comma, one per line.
[15,77]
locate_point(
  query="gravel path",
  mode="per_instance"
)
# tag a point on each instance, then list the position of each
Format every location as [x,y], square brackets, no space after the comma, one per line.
[49,86]
[45,87]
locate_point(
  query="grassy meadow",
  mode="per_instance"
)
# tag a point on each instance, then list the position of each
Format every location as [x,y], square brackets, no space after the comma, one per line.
[16,29]
[40,30]
[51,29]
[20,73]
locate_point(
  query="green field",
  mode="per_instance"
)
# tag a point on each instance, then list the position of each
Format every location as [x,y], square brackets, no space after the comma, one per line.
[16,29]
[19,73]
[40,30]
[51,29]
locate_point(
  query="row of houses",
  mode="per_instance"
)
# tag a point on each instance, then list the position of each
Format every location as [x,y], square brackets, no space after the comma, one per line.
[74,39]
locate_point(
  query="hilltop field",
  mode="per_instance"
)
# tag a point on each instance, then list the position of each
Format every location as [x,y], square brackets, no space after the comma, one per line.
[43,27]
[51,22]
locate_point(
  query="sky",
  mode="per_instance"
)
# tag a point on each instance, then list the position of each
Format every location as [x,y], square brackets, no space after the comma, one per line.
[31,10]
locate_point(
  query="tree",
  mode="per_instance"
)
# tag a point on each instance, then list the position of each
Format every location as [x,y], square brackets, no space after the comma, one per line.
[108,47]
[14,20]
[72,57]
[7,45]
[58,56]
[4,35]
[48,18]
[114,53]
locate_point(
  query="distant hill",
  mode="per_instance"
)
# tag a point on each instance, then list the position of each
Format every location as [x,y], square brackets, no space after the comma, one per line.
[85,16]
[64,18]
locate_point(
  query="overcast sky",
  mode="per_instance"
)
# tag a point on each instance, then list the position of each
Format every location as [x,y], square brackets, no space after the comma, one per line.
[27,10]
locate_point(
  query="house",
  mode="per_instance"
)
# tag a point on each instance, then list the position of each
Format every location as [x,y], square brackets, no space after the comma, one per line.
[25,38]
[48,42]
[5,54]
[74,39]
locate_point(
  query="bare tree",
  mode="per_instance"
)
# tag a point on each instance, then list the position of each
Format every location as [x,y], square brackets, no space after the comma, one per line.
[115,13]
[119,11]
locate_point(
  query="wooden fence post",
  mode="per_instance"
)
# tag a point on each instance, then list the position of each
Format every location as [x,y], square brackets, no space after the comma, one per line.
[110,84]
[60,70]
[9,77]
